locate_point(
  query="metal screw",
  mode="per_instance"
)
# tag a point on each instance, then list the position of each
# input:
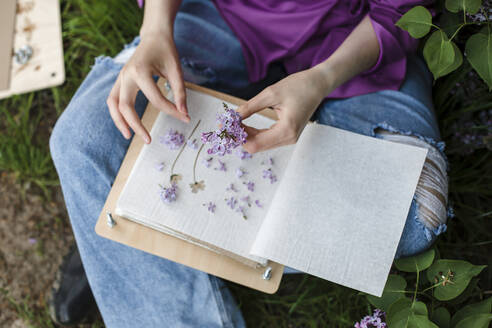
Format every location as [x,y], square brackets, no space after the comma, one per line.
[109,220]
[268,273]
[23,55]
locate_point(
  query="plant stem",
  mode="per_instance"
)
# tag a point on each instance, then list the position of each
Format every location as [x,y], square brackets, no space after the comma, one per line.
[184,145]
[196,159]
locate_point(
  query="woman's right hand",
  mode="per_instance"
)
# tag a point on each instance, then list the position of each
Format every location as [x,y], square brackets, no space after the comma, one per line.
[156,54]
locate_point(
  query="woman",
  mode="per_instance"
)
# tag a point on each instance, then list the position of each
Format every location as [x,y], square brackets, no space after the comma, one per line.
[347,66]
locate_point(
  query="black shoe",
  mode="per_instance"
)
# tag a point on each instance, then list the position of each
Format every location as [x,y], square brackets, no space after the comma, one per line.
[71,301]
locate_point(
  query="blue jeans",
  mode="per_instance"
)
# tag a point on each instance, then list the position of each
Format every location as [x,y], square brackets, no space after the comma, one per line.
[136,289]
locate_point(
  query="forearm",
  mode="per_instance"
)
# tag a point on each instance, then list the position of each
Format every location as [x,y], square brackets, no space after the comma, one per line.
[159,17]
[358,53]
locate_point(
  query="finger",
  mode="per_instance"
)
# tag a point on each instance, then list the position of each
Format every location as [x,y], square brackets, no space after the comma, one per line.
[128,92]
[264,139]
[177,85]
[112,103]
[257,103]
[154,95]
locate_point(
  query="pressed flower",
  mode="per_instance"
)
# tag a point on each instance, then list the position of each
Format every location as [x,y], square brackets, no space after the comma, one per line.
[242,210]
[207,162]
[257,202]
[228,136]
[168,194]
[231,202]
[222,166]
[175,178]
[242,154]
[268,174]
[193,144]
[246,200]
[240,172]
[159,166]
[195,186]
[210,207]
[250,185]
[173,139]
[231,188]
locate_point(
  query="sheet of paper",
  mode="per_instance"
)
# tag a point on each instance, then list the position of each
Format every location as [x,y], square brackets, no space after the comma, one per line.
[7,20]
[225,228]
[341,207]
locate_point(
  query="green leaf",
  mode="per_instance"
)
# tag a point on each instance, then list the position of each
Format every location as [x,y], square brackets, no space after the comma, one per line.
[479,53]
[457,275]
[415,321]
[441,317]
[441,54]
[416,263]
[417,22]
[475,321]
[469,6]
[483,307]
[400,311]
[393,291]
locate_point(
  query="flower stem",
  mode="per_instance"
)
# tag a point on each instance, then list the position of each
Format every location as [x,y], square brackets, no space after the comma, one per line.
[183,147]
[196,159]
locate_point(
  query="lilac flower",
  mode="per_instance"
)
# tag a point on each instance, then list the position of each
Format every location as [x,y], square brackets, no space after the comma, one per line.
[231,202]
[374,321]
[168,194]
[159,166]
[231,188]
[250,185]
[268,174]
[240,172]
[228,136]
[270,161]
[192,144]
[173,139]
[32,241]
[242,210]
[221,167]
[257,202]
[242,154]
[207,162]
[210,207]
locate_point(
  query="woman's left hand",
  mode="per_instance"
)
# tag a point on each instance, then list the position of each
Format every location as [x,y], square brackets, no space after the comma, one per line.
[295,99]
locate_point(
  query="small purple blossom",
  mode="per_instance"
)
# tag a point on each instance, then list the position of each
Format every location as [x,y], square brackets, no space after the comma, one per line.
[231,202]
[207,162]
[231,188]
[242,154]
[173,139]
[270,161]
[228,136]
[250,185]
[374,321]
[210,207]
[221,167]
[159,166]
[32,241]
[193,144]
[240,172]
[168,195]
[257,202]
[268,174]
[242,210]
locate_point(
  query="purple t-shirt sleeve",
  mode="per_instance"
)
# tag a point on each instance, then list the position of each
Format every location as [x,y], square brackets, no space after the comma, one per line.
[394,44]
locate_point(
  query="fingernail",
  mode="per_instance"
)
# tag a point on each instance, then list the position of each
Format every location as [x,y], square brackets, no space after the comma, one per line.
[146,139]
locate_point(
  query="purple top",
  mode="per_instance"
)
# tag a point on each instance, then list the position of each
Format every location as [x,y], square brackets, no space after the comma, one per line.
[304,33]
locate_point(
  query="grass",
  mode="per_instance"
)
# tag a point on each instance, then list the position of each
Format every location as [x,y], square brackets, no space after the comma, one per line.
[92,28]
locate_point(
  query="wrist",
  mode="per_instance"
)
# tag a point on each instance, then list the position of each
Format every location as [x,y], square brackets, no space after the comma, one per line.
[324,79]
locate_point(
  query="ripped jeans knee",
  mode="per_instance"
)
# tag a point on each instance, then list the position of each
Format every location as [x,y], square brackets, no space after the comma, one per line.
[431,194]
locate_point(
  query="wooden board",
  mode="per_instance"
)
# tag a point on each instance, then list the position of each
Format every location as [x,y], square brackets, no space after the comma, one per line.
[37,24]
[7,23]
[172,248]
